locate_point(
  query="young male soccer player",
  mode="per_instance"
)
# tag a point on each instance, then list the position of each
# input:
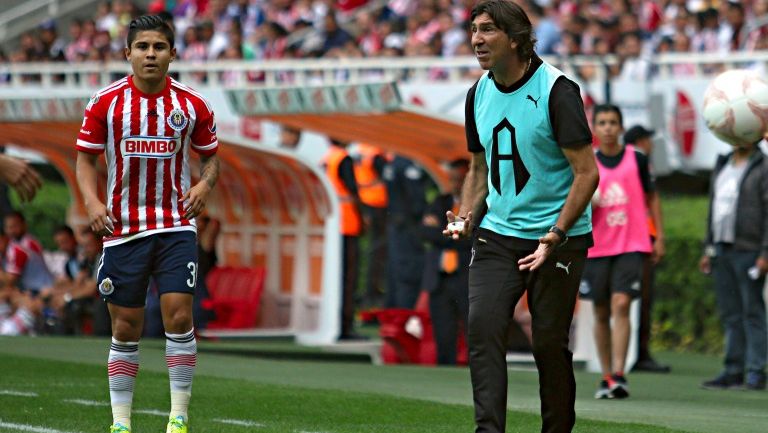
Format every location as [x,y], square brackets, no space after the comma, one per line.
[146,124]
[613,273]
[532,165]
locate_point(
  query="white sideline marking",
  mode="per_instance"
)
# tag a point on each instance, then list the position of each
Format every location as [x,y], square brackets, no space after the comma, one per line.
[29,428]
[86,402]
[17,393]
[239,422]
[102,403]
[152,412]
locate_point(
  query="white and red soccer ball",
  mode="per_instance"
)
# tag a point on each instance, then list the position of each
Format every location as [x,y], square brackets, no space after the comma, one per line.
[736,107]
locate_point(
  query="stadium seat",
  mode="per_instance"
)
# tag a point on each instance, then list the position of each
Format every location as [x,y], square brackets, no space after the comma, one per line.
[235,296]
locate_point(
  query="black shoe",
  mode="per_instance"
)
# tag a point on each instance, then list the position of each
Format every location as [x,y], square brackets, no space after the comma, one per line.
[650,365]
[755,381]
[725,381]
[619,386]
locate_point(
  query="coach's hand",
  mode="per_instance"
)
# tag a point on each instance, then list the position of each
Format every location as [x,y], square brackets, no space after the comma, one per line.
[450,230]
[100,219]
[21,176]
[547,244]
[194,200]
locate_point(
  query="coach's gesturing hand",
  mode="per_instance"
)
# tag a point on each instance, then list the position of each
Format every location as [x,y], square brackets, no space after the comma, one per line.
[18,174]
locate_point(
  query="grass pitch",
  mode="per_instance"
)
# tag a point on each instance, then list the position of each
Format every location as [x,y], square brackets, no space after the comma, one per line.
[59,385]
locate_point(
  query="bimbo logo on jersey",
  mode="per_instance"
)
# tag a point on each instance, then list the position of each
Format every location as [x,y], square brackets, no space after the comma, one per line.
[149,147]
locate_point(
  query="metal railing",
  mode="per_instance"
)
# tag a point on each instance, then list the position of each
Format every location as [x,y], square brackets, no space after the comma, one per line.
[227,73]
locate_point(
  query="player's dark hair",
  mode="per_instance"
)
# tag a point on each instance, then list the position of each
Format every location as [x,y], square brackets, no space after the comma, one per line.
[512,19]
[607,108]
[149,23]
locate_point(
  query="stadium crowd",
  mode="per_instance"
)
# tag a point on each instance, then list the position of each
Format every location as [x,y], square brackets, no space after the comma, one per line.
[284,29]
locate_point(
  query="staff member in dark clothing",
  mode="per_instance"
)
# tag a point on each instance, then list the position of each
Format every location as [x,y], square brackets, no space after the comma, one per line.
[533,166]
[405,252]
[369,168]
[446,269]
[341,173]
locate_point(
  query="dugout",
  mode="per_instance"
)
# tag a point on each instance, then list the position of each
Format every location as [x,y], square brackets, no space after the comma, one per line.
[277,212]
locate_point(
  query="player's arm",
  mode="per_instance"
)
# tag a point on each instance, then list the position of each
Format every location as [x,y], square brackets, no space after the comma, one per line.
[475,188]
[100,219]
[195,199]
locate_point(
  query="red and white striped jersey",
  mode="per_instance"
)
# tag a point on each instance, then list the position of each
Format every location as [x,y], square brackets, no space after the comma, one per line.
[146,141]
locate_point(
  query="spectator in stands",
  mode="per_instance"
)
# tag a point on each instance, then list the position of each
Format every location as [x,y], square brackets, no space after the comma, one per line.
[274,42]
[334,35]
[635,66]
[451,35]
[52,45]
[732,33]
[706,38]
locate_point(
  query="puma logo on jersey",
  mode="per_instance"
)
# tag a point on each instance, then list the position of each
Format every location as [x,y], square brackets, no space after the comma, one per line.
[535,101]
[149,147]
[559,265]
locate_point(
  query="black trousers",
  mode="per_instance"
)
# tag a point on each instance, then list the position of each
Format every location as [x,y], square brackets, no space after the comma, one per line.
[375,281]
[495,286]
[349,272]
[449,308]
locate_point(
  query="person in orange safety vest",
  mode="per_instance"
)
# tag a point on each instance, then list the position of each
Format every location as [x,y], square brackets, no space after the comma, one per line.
[339,168]
[369,166]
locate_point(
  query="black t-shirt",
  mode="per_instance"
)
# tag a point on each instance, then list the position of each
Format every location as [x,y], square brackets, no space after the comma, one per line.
[643,166]
[566,111]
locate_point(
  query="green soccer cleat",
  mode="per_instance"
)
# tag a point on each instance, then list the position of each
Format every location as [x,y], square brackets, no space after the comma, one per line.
[177,425]
[120,428]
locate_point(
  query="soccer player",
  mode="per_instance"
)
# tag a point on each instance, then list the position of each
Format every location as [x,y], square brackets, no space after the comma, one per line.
[146,124]
[533,167]
[612,278]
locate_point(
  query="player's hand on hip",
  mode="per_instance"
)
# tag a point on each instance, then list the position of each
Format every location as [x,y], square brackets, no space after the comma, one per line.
[547,244]
[101,220]
[457,227]
[21,176]
[194,200]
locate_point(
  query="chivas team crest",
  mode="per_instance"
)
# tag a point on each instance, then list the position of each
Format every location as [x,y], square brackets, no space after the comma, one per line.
[177,120]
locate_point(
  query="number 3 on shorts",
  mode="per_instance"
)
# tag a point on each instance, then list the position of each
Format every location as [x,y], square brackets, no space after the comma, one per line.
[192,266]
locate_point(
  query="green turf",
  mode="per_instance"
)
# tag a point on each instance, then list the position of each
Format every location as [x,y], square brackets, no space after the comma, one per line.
[328,397]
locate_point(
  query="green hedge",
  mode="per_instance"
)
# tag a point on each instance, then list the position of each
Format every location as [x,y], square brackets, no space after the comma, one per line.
[685,314]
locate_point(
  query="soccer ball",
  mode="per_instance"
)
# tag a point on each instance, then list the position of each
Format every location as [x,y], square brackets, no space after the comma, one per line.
[736,107]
